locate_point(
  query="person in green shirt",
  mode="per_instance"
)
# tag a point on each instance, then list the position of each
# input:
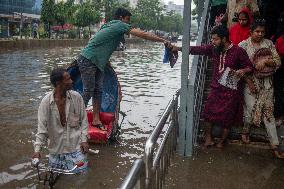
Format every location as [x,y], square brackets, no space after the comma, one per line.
[95,56]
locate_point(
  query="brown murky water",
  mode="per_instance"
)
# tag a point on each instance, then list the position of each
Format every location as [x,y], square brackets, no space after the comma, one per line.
[147,86]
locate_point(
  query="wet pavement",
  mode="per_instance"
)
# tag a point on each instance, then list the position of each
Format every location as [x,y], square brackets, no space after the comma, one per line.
[234,167]
[147,86]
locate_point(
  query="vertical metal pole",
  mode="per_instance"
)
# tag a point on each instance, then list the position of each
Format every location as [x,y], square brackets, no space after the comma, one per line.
[184,78]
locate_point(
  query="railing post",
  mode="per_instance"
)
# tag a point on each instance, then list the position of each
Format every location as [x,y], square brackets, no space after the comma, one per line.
[148,159]
[136,176]
[182,144]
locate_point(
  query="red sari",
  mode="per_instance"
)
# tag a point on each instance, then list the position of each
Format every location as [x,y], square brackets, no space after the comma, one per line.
[239,33]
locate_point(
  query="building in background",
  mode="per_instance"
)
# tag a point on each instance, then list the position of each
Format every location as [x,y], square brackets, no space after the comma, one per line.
[174,7]
[16,15]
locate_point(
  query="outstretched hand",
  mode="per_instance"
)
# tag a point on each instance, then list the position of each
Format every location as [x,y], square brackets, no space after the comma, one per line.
[172,47]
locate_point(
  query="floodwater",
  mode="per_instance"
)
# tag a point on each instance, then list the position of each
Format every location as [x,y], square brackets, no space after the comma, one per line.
[147,86]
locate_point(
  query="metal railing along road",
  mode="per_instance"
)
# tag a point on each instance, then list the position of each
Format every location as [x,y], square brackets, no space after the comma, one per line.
[157,162]
[159,149]
[135,178]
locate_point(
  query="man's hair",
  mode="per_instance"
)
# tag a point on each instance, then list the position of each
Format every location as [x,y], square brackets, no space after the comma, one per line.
[121,12]
[257,23]
[221,30]
[57,75]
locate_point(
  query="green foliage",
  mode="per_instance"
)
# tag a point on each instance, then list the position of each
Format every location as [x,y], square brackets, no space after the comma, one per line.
[64,12]
[86,34]
[43,34]
[147,14]
[72,34]
[47,11]
[86,15]
[108,7]
[27,31]
[171,22]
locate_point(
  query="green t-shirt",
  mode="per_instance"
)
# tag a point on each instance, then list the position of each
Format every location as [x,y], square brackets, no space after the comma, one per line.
[218,2]
[104,42]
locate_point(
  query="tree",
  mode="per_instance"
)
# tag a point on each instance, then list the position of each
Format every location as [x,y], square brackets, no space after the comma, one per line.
[48,14]
[147,14]
[64,12]
[86,15]
[108,7]
[171,22]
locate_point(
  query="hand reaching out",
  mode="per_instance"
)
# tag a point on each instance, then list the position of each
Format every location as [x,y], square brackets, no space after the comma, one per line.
[172,47]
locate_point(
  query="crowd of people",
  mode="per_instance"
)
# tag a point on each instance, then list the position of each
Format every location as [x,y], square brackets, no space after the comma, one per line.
[247,85]
[246,89]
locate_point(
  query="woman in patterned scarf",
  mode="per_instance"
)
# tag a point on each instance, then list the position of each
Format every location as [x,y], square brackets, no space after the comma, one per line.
[258,92]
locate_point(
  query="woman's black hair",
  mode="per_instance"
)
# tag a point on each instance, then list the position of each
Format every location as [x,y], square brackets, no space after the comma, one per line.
[221,30]
[57,75]
[257,23]
[244,13]
[121,12]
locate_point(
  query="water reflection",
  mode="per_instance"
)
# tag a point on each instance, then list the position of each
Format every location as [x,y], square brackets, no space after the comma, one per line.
[147,86]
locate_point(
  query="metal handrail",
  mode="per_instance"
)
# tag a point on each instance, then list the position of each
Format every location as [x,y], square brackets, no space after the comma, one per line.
[158,165]
[157,159]
[136,176]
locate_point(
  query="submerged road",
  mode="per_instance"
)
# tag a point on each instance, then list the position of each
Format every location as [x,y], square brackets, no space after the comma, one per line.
[147,86]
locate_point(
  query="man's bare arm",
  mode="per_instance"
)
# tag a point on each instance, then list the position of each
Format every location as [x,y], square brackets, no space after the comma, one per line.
[146,35]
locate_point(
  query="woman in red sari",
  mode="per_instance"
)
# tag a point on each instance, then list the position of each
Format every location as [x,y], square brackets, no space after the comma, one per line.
[241,30]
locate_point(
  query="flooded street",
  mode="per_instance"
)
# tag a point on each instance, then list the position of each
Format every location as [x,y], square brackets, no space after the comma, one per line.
[147,86]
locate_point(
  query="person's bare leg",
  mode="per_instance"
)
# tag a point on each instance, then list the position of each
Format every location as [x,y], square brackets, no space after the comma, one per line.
[273,137]
[222,142]
[208,135]
[97,98]
[245,133]
[96,113]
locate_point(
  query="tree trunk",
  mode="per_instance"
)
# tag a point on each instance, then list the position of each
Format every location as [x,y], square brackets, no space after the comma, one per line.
[78,32]
[90,31]
[49,31]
